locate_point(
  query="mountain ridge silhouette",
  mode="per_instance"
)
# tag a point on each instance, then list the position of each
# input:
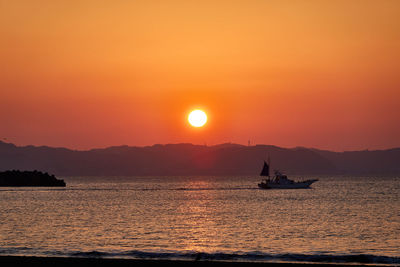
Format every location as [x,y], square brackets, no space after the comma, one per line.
[191,159]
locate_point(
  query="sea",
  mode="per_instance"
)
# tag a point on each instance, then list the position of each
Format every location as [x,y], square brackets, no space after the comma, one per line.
[340,219]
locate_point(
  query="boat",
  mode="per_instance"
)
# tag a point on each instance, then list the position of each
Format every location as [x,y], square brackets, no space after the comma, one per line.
[281,181]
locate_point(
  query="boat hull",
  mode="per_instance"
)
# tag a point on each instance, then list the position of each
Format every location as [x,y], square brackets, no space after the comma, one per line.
[296,185]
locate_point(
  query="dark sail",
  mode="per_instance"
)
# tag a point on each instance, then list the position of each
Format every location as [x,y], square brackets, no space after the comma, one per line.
[265,170]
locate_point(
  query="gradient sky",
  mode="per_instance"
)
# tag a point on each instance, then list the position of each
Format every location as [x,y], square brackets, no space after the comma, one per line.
[86,74]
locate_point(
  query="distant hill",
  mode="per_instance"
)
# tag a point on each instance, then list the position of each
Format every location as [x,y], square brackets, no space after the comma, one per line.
[189,159]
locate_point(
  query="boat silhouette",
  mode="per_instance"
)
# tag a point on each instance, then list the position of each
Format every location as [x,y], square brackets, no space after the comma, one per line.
[280,180]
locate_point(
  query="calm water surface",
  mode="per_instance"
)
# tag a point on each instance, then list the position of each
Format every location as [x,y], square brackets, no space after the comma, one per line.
[341,219]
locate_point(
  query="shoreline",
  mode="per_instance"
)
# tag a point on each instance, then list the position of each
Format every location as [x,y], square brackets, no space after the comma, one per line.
[105,262]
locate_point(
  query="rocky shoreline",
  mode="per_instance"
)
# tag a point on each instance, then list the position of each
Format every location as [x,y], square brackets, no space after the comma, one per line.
[29,178]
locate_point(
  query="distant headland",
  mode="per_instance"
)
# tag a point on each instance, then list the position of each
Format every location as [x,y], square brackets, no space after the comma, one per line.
[29,178]
[188,159]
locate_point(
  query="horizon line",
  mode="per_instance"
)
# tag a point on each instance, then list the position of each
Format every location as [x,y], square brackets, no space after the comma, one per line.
[200,145]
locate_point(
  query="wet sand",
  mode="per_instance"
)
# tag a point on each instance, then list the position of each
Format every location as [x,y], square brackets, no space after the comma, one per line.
[77,262]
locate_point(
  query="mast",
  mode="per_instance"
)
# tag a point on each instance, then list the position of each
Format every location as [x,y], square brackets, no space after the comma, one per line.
[265,169]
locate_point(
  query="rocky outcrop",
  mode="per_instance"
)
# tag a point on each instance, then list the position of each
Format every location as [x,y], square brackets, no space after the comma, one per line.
[29,178]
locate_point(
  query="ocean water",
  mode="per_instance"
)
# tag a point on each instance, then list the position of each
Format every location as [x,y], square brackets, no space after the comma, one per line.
[340,219]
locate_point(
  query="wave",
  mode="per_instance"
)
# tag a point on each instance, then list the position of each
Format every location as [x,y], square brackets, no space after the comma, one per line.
[214,188]
[218,256]
[36,189]
[252,256]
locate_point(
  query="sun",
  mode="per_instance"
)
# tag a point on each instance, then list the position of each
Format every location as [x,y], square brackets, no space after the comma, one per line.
[197,118]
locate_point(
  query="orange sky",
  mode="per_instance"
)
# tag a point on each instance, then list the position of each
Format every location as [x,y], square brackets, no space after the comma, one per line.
[85,74]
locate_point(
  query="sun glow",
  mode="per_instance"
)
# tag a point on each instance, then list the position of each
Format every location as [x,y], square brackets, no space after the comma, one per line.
[197,118]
